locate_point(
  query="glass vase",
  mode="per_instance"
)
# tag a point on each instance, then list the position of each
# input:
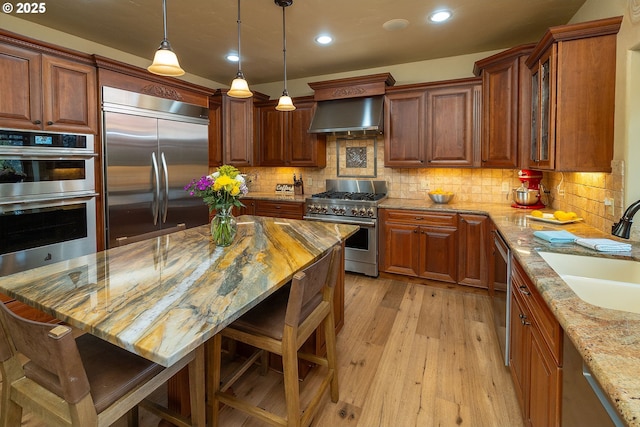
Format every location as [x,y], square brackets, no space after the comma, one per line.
[224,227]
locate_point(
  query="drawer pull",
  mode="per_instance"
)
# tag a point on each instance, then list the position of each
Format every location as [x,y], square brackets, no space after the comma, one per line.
[524,290]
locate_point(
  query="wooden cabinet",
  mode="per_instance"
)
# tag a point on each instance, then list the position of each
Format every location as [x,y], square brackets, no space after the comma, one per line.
[404,129]
[46,92]
[279,208]
[573,79]
[282,138]
[419,244]
[535,355]
[473,231]
[237,128]
[506,104]
[435,124]
[453,125]
[249,208]
[215,132]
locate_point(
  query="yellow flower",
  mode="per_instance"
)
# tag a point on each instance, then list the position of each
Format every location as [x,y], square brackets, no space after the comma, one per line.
[235,190]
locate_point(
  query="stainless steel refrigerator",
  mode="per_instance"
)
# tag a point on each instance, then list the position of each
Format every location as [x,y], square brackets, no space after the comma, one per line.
[153,147]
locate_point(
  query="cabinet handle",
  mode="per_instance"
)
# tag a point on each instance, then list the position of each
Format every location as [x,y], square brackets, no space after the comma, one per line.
[524,290]
[415,231]
[37,122]
[49,123]
[524,321]
[418,218]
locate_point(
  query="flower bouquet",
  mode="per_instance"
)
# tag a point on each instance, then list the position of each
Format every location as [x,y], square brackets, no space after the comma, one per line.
[221,191]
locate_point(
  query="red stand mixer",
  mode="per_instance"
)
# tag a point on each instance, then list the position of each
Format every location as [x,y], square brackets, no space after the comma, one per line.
[527,196]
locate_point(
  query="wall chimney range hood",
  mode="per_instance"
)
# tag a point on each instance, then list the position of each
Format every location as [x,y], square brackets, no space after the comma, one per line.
[352,116]
[351,106]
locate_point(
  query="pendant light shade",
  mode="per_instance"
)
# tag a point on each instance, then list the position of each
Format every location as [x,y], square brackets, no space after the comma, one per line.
[165,61]
[239,86]
[285,103]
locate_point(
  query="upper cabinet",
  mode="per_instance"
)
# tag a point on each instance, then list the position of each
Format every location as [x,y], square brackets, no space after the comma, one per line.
[506,104]
[573,74]
[43,91]
[282,138]
[436,124]
[237,127]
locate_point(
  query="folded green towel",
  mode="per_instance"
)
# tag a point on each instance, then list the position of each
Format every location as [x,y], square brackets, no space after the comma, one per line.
[560,236]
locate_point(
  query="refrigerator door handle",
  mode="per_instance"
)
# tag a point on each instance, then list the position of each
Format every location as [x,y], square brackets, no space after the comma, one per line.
[156,189]
[165,174]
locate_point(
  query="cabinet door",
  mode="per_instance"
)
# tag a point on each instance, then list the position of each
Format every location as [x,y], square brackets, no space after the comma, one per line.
[544,386]
[400,246]
[543,112]
[20,86]
[69,96]
[404,129]
[249,208]
[303,148]
[450,126]
[519,345]
[215,133]
[237,136]
[271,137]
[472,250]
[438,259]
[500,83]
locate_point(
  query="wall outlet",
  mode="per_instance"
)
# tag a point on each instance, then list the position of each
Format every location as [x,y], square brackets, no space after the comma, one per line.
[310,181]
[505,187]
[424,184]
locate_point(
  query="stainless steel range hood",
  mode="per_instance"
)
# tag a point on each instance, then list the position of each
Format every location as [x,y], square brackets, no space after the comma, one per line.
[350,117]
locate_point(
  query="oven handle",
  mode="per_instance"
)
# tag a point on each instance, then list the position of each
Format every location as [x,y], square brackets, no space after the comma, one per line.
[343,221]
[48,198]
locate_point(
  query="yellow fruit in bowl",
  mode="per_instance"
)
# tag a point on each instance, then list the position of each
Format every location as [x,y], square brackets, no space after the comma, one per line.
[536,213]
[558,214]
[572,215]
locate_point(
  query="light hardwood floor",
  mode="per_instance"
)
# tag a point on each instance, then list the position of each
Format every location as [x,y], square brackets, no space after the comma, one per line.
[408,355]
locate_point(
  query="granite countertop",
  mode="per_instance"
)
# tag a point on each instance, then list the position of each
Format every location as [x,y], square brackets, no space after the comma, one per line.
[163,297]
[608,340]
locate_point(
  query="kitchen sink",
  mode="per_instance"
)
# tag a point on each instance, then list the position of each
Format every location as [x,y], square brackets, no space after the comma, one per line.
[604,282]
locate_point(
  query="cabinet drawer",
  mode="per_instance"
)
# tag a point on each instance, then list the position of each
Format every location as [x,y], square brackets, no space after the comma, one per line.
[422,218]
[274,208]
[542,315]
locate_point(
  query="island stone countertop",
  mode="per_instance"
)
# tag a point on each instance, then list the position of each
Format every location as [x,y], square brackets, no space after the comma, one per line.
[608,340]
[163,297]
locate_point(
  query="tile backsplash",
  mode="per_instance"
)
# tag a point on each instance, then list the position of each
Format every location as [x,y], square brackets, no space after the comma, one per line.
[583,193]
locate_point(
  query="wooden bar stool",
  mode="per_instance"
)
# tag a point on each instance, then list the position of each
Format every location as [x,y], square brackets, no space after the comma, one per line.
[281,324]
[82,381]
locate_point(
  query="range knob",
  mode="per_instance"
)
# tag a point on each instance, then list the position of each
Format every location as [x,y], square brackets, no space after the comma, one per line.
[323,209]
[362,212]
[370,213]
[354,211]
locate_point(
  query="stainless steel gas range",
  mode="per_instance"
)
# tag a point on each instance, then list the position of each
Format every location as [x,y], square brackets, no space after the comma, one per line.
[352,202]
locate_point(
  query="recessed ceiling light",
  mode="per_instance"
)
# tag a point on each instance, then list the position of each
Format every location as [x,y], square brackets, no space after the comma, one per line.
[324,39]
[395,24]
[233,57]
[440,16]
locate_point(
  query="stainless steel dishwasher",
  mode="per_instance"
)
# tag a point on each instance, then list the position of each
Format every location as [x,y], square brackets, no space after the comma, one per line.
[501,292]
[584,404]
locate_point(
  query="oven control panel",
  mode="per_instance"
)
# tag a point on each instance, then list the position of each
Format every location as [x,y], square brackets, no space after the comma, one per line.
[341,210]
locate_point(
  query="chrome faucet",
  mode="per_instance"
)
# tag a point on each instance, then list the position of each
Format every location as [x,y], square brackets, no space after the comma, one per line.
[622,228]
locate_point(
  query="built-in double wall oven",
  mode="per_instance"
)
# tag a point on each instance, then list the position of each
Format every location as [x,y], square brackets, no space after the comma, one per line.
[47,198]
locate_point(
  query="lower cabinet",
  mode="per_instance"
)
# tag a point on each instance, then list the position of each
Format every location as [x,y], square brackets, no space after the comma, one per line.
[535,356]
[419,244]
[473,262]
[444,246]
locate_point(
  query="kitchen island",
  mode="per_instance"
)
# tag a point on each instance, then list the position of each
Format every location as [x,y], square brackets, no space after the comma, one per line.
[608,340]
[164,297]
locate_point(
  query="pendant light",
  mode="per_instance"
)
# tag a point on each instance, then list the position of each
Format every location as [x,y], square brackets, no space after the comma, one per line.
[239,86]
[165,61]
[285,103]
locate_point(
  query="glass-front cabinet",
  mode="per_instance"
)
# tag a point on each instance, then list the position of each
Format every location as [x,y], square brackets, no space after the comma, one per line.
[543,100]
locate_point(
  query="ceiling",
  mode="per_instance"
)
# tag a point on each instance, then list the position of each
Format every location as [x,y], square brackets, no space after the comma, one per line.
[202,32]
